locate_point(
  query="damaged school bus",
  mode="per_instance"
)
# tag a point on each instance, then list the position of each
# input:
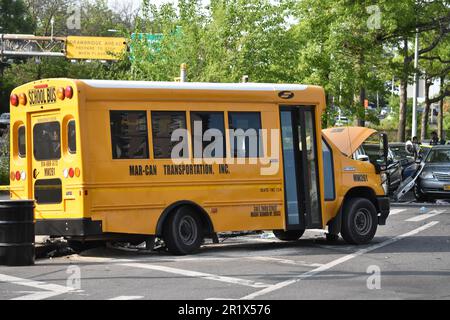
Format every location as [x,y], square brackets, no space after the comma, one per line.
[130,161]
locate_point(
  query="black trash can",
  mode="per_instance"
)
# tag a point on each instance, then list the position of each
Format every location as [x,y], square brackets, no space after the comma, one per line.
[17,233]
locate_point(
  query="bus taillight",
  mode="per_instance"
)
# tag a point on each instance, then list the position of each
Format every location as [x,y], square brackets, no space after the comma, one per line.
[61,93]
[23,99]
[70,173]
[13,176]
[14,99]
[69,92]
[18,175]
[23,175]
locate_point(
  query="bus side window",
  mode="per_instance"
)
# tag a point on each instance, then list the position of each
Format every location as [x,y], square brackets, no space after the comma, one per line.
[71,137]
[328,172]
[164,124]
[129,134]
[21,141]
[211,126]
[245,139]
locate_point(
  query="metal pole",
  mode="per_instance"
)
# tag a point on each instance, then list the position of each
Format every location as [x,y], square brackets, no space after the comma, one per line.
[416,87]
[183,75]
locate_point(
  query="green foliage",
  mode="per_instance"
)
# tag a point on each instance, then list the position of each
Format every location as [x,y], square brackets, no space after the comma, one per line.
[4,159]
[14,17]
[318,42]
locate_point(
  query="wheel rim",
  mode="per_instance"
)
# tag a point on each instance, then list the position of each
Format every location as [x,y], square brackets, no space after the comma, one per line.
[363,221]
[188,230]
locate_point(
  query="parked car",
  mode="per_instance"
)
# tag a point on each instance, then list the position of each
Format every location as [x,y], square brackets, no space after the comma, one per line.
[394,167]
[4,120]
[412,168]
[400,154]
[434,181]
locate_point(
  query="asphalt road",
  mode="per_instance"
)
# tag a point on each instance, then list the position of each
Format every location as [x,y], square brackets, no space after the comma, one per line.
[408,259]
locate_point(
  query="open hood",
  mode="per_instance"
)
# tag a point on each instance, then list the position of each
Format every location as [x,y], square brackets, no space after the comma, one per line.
[348,139]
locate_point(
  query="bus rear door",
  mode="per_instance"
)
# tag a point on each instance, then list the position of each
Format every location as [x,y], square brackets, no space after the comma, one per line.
[46,156]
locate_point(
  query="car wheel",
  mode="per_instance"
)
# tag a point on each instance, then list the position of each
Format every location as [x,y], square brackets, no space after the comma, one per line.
[420,197]
[291,235]
[183,232]
[359,222]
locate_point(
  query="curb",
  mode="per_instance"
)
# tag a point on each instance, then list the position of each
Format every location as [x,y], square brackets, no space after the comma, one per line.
[419,205]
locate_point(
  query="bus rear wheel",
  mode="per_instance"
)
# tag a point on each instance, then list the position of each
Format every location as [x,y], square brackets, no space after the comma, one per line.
[183,232]
[290,235]
[360,221]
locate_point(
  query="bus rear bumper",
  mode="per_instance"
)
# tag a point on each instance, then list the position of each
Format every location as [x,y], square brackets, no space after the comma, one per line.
[68,227]
[384,210]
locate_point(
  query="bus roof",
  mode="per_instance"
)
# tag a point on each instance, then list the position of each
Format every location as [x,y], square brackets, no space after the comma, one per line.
[114,84]
[119,90]
[202,91]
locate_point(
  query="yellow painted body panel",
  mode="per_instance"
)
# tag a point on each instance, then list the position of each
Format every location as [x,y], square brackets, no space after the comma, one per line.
[106,192]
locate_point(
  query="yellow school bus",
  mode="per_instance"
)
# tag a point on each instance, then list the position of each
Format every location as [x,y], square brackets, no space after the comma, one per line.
[131,161]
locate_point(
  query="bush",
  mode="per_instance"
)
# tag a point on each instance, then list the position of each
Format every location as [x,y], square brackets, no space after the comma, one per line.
[4,159]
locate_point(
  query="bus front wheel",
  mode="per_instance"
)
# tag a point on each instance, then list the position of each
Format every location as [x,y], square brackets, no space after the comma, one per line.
[360,221]
[183,233]
[290,235]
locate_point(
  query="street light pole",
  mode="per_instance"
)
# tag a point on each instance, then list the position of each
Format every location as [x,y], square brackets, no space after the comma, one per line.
[416,86]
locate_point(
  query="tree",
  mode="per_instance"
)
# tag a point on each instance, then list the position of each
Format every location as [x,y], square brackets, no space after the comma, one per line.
[338,50]
[402,20]
[14,18]
[436,66]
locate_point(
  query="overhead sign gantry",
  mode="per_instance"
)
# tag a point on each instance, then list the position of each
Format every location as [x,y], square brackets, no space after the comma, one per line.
[73,47]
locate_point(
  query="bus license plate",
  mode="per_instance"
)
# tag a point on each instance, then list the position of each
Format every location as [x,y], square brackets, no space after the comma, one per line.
[447,187]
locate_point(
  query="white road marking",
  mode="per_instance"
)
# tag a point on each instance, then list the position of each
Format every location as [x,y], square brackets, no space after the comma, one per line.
[123,298]
[286,261]
[195,274]
[396,211]
[429,215]
[336,262]
[49,290]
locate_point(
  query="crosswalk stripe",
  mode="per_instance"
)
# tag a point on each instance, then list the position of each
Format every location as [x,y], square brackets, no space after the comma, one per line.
[396,211]
[426,216]
[195,274]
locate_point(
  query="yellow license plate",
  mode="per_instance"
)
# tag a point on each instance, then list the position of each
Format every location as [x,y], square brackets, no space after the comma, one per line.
[447,187]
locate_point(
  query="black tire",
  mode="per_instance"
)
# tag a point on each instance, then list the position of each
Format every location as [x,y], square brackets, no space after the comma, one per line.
[332,237]
[183,232]
[359,221]
[291,235]
[420,197]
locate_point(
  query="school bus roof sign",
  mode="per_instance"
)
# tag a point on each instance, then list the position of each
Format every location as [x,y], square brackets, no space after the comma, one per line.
[95,48]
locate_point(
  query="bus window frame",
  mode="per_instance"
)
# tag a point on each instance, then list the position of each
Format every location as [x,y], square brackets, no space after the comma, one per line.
[68,136]
[332,172]
[24,155]
[224,134]
[259,137]
[185,113]
[60,141]
[111,134]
